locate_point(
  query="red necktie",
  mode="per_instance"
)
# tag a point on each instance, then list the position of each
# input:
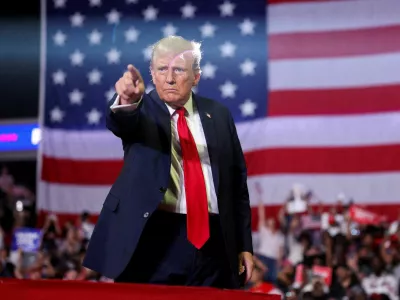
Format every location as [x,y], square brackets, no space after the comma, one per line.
[196,197]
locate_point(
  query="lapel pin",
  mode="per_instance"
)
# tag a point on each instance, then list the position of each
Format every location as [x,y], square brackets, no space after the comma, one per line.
[208,115]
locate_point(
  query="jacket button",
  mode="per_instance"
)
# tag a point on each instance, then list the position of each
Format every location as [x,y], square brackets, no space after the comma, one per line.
[146,214]
[162,189]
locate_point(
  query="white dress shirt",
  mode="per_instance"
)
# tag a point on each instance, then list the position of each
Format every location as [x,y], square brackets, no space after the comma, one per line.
[196,128]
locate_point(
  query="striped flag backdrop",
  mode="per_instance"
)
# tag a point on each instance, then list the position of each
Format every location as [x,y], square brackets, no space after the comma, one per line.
[314,88]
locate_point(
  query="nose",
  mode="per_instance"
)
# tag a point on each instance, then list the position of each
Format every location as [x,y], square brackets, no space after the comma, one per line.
[170,77]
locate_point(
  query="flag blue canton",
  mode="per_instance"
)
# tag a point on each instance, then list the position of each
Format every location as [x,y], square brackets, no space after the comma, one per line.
[90,43]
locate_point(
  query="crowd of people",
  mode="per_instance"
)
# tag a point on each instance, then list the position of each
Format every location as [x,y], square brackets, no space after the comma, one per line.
[306,254]
[334,254]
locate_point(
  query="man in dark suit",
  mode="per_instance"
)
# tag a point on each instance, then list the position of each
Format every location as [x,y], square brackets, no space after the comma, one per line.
[179,211]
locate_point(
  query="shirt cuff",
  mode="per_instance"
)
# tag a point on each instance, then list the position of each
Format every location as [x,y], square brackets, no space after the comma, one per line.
[124,107]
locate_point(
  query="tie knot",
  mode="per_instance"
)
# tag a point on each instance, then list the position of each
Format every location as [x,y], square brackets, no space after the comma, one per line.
[181,111]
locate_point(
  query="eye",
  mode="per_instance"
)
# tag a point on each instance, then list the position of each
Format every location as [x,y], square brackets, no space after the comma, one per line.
[179,70]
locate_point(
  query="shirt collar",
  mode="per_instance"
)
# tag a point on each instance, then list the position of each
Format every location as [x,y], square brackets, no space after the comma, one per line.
[188,106]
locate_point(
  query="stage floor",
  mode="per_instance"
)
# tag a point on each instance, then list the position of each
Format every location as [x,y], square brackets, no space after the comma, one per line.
[76,290]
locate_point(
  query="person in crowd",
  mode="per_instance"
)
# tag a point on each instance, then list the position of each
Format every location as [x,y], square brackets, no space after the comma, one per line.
[316,289]
[380,282]
[345,282]
[271,247]
[7,269]
[257,283]
[85,226]
[6,180]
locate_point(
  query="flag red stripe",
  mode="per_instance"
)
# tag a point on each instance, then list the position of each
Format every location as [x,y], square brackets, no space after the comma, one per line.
[391,211]
[334,43]
[68,171]
[324,160]
[266,161]
[334,101]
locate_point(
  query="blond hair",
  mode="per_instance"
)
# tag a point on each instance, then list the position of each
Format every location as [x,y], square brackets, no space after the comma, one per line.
[177,45]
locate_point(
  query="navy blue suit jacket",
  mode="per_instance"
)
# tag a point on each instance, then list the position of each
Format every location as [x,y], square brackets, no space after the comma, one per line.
[142,182]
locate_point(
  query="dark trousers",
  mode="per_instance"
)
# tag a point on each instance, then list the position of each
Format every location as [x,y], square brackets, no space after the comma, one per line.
[272,264]
[165,256]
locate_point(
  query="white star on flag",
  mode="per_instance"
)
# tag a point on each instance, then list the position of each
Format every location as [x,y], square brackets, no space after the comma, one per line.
[94,76]
[132,1]
[56,114]
[248,67]
[77,58]
[228,89]
[248,108]
[208,71]
[169,29]
[131,35]
[77,19]
[76,96]
[109,94]
[113,17]
[207,30]
[59,3]
[95,37]
[150,13]
[94,116]
[147,52]
[59,77]
[113,56]
[226,9]
[59,38]
[94,3]
[227,49]
[188,10]
[247,27]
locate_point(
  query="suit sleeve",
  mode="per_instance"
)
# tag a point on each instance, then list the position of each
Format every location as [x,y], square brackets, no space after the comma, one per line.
[241,194]
[122,120]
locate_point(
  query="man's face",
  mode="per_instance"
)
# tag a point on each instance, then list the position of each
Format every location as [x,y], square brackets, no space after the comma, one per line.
[174,77]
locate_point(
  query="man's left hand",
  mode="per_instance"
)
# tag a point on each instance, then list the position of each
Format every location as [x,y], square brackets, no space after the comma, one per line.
[246,264]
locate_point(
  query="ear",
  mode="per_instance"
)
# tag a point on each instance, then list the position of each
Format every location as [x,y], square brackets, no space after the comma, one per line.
[196,78]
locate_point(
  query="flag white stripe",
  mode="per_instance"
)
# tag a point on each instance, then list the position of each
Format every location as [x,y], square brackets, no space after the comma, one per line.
[320,131]
[69,198]
[332,15]
[314,131]
[85,144]
[370,188]
[334,72]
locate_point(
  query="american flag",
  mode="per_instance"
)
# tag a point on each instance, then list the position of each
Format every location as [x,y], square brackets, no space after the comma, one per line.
[314,88]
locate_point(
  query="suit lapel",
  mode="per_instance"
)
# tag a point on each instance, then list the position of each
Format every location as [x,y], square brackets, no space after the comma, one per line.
[210,132]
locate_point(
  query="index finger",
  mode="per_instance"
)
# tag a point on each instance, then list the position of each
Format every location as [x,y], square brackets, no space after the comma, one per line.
[135,73]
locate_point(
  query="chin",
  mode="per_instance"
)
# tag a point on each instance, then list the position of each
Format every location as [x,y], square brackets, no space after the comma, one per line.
[171,98]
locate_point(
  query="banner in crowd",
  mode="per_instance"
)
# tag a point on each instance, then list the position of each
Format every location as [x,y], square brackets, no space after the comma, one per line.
[27,239]
[324,272]
[363,216]
[311,222]
[320,271]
